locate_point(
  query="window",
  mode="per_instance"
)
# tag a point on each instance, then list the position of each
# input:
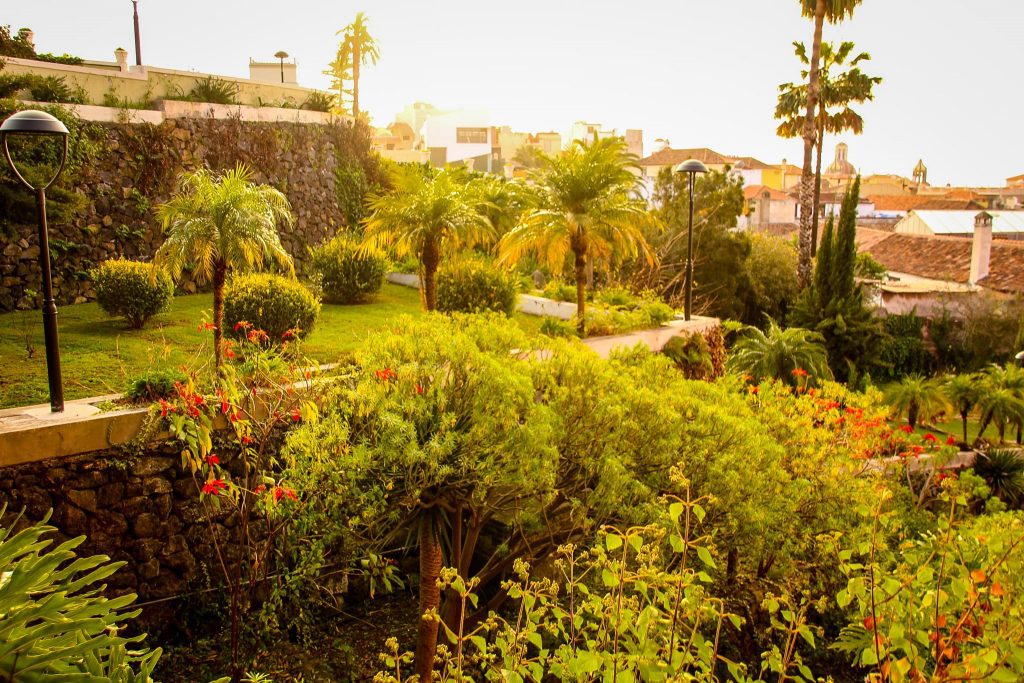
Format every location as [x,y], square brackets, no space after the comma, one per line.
[472,136]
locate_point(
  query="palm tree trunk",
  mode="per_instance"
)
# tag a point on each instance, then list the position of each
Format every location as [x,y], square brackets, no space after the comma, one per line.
[809,134]
[430,597]
[355,80]
[817,189]
[963,416]
[985,421]
[912,411]
[220,274]
[431,259]
[581,291]
[1020,432]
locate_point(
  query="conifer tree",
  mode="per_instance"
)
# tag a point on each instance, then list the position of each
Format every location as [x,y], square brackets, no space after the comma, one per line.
[844,256]
[823,267]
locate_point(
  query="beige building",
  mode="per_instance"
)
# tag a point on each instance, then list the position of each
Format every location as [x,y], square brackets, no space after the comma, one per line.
[274,72]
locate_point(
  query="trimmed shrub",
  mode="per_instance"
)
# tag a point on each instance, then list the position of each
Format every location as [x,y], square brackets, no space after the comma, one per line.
[473,285]
[691,355]
[272,303]
[560,291]
[346,273]
[607,321]
[553,327]
[154,385]
[129,290]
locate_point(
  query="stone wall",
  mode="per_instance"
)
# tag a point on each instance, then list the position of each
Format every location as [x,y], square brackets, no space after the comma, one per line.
[142,509]
[136,167]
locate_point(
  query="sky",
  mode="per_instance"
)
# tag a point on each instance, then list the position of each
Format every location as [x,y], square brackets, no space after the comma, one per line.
[699,74]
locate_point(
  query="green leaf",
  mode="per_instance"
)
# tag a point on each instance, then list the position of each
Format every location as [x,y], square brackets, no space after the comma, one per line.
[705,557]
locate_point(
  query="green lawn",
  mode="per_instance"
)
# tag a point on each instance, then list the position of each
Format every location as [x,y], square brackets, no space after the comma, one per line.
[99,355]
[955,427]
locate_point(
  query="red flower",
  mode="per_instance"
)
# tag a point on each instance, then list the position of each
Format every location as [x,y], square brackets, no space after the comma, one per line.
[419,389]
[260,489]
[246,440]
[281,492]
[385,375]
[229,353]
[753,390]
[165,408]
[290,334]
[907,429]
[296,414]
[214,486]
[241,324]
[212,459]
[799,372]
[951,441]
[206,327]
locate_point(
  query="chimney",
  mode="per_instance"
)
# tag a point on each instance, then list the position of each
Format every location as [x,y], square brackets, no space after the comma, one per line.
[121,57]
[981,247]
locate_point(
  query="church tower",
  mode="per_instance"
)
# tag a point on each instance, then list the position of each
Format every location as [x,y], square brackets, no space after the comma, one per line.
[920,173]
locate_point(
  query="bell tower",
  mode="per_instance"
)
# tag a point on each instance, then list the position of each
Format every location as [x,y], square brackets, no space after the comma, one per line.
[920,173]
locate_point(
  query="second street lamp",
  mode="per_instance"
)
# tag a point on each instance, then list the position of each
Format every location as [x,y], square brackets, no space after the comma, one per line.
[281,55]
[32,123]
[691,167]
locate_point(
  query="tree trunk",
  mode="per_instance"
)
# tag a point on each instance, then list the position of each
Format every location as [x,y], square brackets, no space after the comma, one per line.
[1020,432]
[355,79]
[431,259]
[912,411]
[430,597]
[986,420]
[817,189]
[220,274]
[963,416]
[809,134]
[581,289]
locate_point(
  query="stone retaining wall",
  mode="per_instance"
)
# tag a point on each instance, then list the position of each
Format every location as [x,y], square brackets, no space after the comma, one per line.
[136,168]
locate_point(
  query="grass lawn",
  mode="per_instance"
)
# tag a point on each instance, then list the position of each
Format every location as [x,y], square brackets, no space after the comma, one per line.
[955,427]
[100,356]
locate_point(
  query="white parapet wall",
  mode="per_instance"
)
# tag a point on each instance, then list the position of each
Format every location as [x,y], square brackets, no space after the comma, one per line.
[526,303]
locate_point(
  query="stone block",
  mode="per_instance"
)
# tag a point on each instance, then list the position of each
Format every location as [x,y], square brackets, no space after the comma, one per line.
[85,499]
[146,525]
[147,466]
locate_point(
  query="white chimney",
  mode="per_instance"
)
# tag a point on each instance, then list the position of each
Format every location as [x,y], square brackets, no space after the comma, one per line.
[121,57]
[981,247]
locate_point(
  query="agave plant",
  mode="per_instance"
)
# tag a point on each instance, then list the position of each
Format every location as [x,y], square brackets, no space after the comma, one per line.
[55,623]
[1003,470]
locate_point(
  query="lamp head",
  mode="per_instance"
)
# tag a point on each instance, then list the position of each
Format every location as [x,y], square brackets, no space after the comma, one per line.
[281,54]
[33,122]
[691,166]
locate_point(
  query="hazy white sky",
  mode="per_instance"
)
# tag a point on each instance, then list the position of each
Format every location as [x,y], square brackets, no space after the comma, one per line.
[697,73]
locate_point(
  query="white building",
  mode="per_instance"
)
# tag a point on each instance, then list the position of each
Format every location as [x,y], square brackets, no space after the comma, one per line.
[1005,224]
[460,137]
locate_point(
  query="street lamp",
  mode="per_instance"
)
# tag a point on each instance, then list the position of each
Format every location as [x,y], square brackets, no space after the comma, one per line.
[691,167]
[31,122]
[138,40]
[282,55]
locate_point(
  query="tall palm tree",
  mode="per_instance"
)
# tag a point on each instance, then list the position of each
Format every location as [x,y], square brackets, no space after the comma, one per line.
[363,49]
[832,11]
[220,223]
[340,71]
[838,92]
[962,393]
[587,207]
[502,202]
[779,353]
[920,397]
[429,212]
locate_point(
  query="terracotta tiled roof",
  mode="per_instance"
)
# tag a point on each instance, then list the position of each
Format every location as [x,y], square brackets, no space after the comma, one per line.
[867,238]
[757,191]
[946,258]
[1016,177]
[913,201]
[665,157]
[749,162]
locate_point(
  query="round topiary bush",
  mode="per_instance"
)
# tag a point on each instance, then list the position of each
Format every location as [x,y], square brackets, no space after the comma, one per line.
[132,290]
[346,273]
[472,285]
[272,303]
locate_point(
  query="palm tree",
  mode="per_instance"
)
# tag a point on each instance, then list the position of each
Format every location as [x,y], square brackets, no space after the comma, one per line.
[220,223]
[779,353]
[1001,400]
[340,71]
[501,202]
[363,50]
[918,396]
[587,207]
[820,10]
[838,92]
[962,393]
[429,212]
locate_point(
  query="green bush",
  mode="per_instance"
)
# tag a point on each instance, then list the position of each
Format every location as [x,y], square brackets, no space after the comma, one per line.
[615,296]
[346,273]
[131,290]
[55,623]
[473,285]
[553,327]
[272,303]
[560,291]
[691,355]
[606,321]
[54,89]
[154,385]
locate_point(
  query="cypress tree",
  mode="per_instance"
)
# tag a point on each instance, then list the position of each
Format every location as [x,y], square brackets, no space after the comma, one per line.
[823,267]
[844,256]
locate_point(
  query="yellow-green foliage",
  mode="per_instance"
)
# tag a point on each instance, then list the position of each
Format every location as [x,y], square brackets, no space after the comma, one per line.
[346,272]
[132,290]
[271,303]
[472,285]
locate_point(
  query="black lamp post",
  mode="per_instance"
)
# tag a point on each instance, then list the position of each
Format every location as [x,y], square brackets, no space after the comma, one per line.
[32,122]
[282,55]
[691,167]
